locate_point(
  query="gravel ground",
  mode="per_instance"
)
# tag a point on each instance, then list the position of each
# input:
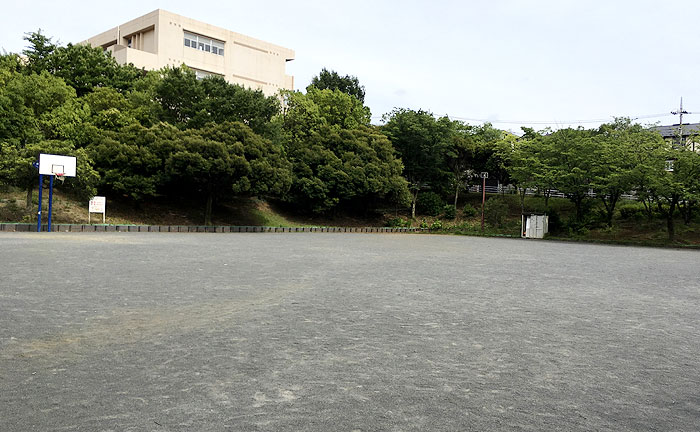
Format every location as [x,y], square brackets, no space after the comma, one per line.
[345,332]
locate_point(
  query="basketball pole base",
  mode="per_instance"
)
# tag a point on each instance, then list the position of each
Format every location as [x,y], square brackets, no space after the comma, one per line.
[50,200]
[38,213]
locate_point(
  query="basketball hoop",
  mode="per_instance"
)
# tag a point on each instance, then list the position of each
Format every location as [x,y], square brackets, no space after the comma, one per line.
[60,176]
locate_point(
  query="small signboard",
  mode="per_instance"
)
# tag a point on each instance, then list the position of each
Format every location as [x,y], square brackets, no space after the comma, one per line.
[97,205]
[484,175]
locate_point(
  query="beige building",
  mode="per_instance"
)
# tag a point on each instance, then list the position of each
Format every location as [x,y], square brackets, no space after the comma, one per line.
[162,38]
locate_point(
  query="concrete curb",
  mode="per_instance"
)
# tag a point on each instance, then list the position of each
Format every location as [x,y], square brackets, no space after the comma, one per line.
[28,227]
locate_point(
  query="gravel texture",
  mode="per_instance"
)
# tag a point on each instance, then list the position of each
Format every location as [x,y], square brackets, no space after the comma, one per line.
[345,332]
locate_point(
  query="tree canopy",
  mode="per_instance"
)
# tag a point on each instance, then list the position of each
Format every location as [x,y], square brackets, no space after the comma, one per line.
[331,80]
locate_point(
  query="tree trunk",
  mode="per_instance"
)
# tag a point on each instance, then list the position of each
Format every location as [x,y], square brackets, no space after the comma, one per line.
[413,204]
[578,200]
[610,204]
[30,192]
[647,208]
[207,211]
[522,200]
[456,196]
[669,219]
[686,210]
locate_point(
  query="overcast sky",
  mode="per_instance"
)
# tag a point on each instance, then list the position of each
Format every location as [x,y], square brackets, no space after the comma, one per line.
[536,62]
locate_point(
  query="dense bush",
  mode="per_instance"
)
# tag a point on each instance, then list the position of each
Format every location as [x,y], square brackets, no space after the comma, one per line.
[429,203]
[397,222]
[495,211]
[449,211]
[469,211]
[634,211]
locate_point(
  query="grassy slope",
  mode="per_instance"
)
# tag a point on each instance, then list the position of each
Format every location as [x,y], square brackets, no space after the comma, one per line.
[251,211]
[243,211]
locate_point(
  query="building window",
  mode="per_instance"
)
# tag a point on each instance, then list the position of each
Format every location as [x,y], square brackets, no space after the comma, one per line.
[204,43]
[200,74]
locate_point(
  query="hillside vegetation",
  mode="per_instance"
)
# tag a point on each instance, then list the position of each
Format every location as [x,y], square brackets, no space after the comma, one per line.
[164,146]
[632,224]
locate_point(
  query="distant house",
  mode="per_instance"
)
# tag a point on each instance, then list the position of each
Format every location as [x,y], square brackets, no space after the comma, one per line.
[688,136]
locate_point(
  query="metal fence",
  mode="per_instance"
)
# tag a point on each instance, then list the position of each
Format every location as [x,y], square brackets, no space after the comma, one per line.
[510,189]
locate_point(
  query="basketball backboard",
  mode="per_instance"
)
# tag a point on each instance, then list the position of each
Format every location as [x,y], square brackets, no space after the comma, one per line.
[56,164]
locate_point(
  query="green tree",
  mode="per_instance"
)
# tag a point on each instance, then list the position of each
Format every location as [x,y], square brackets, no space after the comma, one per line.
[331,80]
[81,66]
[338,110]
[680,184]
[301,117]
[460,156]
[352,168]
[227,159]
[421,142]
[230,102]
[306,114]
[39,49]
[86,68]
[613,164]
[524,164]
[573,157]
[668,189]
[690,172]
[338,158]
[38,110]
[129,161]
[9,65]
[180,95]
[649,157]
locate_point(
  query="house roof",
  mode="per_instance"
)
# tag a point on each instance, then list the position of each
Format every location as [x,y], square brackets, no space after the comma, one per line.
[670,131]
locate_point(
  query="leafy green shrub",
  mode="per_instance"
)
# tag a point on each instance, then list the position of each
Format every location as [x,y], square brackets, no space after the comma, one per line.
[436,225]
[631,211]
[449,211]
[429,203]
[578,227]
[397,222]
[512,201]
[469,211]
[495,211]
[578,230]
[423,224]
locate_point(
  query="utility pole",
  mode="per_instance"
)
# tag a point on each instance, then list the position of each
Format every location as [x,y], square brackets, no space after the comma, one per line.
[680,113]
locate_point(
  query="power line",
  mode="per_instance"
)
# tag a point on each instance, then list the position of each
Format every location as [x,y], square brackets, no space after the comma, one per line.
[546,122]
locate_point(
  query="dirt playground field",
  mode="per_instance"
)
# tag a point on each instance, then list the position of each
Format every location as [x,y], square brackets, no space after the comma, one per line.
[345,332]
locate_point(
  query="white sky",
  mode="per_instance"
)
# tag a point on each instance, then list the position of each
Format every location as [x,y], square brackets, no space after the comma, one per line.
[546,61]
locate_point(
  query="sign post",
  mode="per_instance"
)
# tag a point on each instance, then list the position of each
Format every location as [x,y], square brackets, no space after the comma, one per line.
[97,205]
[484,176]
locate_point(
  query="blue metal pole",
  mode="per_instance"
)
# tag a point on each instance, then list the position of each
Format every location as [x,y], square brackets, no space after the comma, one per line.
[38,213]
[50,199]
